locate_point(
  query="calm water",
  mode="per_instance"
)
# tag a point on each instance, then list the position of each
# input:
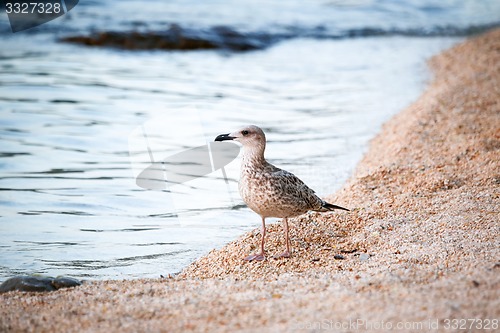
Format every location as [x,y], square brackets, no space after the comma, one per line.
[76,123]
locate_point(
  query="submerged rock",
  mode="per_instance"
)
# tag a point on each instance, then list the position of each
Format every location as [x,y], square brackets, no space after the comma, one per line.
[37,283]
[176,38]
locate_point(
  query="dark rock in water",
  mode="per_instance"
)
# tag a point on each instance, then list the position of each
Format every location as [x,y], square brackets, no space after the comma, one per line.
[226,38]
[37,283]
[176,38]
[65,282]
[27,283]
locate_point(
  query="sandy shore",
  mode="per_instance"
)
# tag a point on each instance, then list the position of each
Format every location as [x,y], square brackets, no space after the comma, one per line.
[420,248]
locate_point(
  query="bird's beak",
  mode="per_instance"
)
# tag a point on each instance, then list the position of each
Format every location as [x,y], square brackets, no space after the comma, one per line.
[224,137]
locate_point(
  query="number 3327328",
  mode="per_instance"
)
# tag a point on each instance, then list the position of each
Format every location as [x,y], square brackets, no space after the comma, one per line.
[33,8]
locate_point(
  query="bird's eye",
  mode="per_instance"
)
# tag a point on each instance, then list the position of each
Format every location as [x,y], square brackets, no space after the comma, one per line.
[245,132]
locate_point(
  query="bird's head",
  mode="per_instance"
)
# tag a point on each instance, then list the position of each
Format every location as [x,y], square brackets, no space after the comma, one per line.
[251,137]
[247,136]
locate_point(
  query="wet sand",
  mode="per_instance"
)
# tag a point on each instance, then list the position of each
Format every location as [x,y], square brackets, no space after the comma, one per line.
[420,247]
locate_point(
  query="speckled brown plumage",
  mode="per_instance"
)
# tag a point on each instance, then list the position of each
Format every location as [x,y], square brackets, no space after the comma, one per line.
[270,191]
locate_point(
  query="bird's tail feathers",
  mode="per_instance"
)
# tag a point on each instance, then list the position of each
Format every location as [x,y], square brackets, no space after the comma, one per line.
[329,206]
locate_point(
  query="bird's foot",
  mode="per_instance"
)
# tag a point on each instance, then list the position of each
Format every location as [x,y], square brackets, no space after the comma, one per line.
[285,254]
[256,257]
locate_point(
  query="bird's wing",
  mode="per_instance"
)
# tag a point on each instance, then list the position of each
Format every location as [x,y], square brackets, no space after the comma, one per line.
[291,186]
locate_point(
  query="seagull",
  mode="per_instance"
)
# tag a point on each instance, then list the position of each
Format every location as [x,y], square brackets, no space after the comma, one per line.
[270,191]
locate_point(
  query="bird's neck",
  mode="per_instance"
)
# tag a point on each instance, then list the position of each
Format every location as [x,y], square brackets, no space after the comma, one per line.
[254,156]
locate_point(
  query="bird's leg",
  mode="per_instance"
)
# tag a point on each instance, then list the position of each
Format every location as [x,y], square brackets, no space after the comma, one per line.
[261,256]
[285,254]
